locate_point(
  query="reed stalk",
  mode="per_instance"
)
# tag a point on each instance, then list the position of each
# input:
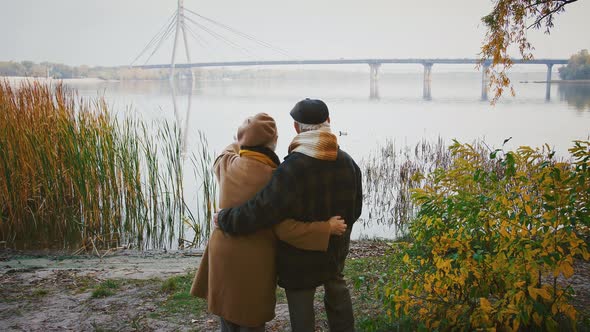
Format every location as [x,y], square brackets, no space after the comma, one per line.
[206,194]
[393,171]
[72,174]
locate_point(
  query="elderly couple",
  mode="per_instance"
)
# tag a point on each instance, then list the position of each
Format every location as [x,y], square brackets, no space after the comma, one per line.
[281,222]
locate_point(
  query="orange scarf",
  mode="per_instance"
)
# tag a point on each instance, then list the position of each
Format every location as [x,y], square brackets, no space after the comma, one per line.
[261,157]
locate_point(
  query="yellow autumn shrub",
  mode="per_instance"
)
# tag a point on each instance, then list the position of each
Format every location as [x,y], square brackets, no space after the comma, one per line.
[495,242]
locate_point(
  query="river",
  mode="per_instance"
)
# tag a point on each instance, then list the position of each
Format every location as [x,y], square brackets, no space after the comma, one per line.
[454,111]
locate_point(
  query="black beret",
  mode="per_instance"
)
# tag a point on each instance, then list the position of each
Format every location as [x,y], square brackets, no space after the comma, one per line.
[310,111]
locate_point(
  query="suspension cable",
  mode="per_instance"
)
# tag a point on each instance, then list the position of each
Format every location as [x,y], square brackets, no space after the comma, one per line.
[158,35]
[244,35]
[164,37]
[220,37]
[164,33]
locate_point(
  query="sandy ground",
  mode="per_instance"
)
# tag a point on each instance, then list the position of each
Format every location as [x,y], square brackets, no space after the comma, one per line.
[40,292]
[53,293]
[125,264]
[49,292]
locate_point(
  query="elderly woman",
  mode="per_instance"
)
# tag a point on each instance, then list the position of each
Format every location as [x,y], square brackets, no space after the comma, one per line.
[237,275]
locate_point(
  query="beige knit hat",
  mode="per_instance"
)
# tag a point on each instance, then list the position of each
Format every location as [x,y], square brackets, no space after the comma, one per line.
[257,130]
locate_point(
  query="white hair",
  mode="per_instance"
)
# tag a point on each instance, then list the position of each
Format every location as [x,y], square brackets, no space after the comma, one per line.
[303,127]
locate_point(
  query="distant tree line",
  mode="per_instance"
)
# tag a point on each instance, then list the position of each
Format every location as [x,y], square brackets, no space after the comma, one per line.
[578,67]
[61,71]
[43,69]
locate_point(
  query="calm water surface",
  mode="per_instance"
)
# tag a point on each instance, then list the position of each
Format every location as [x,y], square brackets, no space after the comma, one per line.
[455,111]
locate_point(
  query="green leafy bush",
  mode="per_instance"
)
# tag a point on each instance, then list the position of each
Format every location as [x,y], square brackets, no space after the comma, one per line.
[495,242]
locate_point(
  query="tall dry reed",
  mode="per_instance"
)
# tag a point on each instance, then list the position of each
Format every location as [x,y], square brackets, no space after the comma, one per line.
[73,175]
[206,194]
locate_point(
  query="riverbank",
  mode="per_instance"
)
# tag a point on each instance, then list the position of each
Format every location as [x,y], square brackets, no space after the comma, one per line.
[123,291]
[149,291]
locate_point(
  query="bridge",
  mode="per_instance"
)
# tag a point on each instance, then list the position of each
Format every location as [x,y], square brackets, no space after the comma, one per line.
[374,66]
[186,22]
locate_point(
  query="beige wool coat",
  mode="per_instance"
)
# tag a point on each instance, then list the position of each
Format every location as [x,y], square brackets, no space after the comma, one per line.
[237,274]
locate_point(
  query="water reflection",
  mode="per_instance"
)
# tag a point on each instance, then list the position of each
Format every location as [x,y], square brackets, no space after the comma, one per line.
[181,122]
[576,95]
[138,88]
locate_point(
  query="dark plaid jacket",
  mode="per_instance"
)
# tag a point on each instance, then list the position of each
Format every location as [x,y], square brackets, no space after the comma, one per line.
[306,189]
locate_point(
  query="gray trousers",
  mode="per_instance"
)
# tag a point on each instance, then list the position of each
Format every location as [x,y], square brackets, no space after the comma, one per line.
[227,326]
[337,303]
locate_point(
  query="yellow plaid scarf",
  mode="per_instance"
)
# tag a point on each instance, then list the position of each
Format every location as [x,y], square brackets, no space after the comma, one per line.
[319,144]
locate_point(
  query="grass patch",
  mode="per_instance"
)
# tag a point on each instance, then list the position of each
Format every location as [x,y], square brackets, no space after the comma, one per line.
[170,285]
[82,284]
[179,302]
[281,296]
[367,275]
[101,292]
[105,289]
[40,292]
[110,284]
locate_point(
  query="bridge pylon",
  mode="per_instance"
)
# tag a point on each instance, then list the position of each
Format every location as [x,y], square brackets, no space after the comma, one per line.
[180,28]
[548,84]
[426,88]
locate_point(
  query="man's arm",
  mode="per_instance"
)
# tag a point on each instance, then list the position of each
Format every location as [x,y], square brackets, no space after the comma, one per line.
[309,235]
[268,207]
[359,194]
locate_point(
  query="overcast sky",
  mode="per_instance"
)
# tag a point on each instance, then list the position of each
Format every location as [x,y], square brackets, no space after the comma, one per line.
[113,32]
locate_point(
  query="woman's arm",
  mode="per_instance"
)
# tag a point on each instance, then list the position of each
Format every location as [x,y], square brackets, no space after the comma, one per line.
[309,235]
[227,156]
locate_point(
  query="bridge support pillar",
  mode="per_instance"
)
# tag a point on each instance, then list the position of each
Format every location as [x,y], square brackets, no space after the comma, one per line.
[374,80]
[484,81]
[426,89]
[548,84]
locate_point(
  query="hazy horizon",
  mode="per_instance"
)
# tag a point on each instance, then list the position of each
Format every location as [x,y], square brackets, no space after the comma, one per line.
[109,32]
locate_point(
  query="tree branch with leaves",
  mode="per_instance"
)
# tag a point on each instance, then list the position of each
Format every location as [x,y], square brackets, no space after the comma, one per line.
[507,27]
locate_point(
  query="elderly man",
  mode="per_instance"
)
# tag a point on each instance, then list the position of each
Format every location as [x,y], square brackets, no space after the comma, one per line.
[317,180]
